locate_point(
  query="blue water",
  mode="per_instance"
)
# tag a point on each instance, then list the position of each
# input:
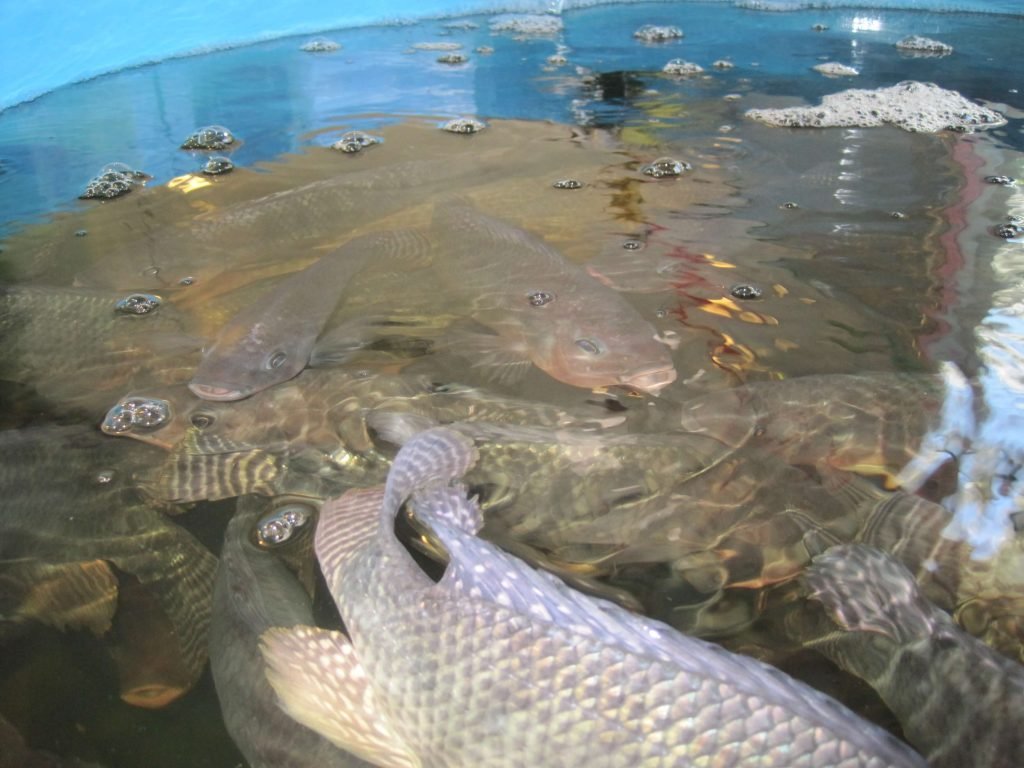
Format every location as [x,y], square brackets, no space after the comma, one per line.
[277,98]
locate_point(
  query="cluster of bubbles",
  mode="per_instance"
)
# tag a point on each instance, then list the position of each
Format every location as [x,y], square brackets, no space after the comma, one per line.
[436,46]
[527,24]
[1012,229]
[916,44]
[136,413]
[835,69]
[319,45]
[355,141]
[452,58]
[215,165]
[682,68]
[651,33]
[137,304]
[722,64]
[209,137]
[665,168]
[1006,181]
[746,292]
[463,125]
[568,184]
[279,525]
[114,180]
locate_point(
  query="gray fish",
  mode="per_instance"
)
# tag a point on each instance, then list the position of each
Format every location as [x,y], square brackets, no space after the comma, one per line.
[254,591]
[959,702]
[72,505]
[74,347]
[500,664]
[272,340]
[543,308]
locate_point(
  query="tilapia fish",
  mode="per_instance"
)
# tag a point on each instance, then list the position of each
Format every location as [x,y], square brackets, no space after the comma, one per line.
[74,346]
[271,341]
[542,307]
[499,664]
[901,427]
[254,591]
[959,703]
[304,434]
[78,542]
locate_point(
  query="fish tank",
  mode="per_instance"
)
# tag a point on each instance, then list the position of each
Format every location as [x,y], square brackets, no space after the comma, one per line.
[714,285]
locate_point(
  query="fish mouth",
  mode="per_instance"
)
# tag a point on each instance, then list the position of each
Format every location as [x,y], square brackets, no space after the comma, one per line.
[213,392]
[652,381]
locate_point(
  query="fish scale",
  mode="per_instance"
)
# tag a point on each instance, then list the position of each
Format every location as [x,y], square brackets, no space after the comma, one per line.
[502,665]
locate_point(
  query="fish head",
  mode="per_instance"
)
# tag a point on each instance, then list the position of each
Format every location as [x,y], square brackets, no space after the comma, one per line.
[598,357]
[239,365]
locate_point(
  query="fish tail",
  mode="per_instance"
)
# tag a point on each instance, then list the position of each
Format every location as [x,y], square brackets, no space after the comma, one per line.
[865,590]
[432,457]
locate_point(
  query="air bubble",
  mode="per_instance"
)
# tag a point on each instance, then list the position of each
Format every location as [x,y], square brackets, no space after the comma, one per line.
[1006,181]
[105,477]
[216,165]
[1008,231]
[897,215]
[789,205]
[722,64]
[746,292]
[665,167]
[319,45]
[186,281]
[540,298]
[209,137]
[137,304]
[463,125]
[355,141]
[633,245]
[568,184]
[136,412]
[651,33]
[81,232]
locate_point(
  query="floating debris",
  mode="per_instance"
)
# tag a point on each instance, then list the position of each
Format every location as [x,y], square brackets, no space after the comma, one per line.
[682,68]
[209,137]
[568,184]
[746,292]
[319,45]
[665,167]
[452,58]
[650,33]
[1006,181]
[113,180]
[722,64]
[215,165]
[835,69]
[527,24]
[463,125]
[137,304]
[912,106]
[923,46]
[355,141]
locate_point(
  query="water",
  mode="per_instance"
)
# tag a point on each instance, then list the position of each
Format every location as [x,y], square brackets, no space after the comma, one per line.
[807,218]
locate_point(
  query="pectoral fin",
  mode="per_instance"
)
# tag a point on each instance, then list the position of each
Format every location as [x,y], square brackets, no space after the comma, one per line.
[320,682]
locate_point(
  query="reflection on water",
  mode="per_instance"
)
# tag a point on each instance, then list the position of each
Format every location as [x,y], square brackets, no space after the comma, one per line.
[804,285]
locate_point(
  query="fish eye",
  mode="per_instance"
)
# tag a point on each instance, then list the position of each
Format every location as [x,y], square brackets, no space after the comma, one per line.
[277,359]
[589,346]
[201,420]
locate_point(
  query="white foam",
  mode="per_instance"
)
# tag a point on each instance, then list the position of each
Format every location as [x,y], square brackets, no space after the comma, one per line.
[912,106]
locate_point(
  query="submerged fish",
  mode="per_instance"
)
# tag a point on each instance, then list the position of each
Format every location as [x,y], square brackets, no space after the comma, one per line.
[272,340]
[499,664]
[959,702]
[254,591]
[73,514]
[73,345]
[543,308]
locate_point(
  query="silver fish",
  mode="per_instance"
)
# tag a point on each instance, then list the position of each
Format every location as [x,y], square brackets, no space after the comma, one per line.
[254,591]
[498,664]
[959,702]
[543,308]
[272,340]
